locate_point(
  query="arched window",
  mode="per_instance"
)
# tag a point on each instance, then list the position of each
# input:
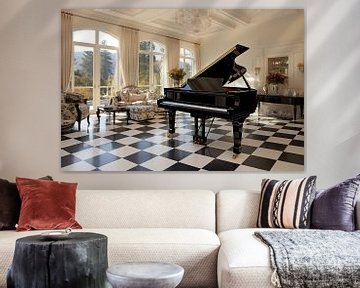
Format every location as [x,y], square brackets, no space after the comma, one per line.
[95,68]
[151,65]
[187,62]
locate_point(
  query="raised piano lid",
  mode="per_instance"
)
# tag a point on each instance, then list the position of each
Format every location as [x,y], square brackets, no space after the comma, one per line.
[223,67]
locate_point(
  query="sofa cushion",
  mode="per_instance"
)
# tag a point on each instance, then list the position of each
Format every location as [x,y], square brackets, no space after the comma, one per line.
[138,97]
[153,209]
[46,204]
[334,208]
[244,260]
[195,250]
[236,209]
[286,204]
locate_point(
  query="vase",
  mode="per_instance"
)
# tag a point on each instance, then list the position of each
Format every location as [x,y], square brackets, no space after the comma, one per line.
[273,89]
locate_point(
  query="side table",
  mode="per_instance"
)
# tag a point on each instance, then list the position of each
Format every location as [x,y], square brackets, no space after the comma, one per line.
[112,109]
[80,261]
[280,99]
[145,275]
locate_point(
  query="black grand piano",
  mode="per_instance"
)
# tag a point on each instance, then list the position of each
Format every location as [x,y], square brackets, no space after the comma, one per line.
[205,96]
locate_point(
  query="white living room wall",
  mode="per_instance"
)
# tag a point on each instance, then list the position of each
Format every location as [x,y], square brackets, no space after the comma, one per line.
[30,95]
[282,36]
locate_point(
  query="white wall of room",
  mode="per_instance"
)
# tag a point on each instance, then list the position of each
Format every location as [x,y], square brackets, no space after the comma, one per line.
[280,37]
[30,95]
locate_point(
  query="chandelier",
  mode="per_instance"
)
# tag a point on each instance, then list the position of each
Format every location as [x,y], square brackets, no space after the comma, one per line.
[194,20]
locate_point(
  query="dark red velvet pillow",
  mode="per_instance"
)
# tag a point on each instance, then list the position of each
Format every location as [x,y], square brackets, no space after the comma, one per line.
[46,204]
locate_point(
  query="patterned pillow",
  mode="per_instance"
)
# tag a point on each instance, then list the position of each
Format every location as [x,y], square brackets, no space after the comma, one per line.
[286,204]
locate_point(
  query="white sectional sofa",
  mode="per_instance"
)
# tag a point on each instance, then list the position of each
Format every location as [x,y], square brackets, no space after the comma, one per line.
[210,235]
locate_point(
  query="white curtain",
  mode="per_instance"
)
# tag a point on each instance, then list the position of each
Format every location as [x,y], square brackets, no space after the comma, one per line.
[173,55]
[66,51]
[129,56]
[197,57]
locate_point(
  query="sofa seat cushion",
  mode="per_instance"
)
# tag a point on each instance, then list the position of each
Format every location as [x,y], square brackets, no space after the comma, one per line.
[196,250]
[244,261]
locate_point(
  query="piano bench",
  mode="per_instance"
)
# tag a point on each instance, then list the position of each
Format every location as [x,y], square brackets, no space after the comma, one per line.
[140,112]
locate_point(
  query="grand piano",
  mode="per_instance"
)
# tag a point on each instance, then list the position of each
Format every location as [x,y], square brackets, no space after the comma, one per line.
[208,94]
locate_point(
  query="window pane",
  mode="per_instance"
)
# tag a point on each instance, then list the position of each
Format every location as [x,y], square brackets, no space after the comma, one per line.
[188,67]
[158,66]
[182,63]
[188,53]
[157,47]
[85,36]
[182,53]
[145,45]
[108,63]
[108,40]
[83,66]
[144,64]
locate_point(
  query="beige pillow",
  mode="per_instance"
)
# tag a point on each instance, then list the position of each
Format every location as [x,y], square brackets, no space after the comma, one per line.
[137,97]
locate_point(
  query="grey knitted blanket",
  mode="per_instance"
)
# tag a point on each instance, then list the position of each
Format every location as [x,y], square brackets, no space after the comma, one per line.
[313,258]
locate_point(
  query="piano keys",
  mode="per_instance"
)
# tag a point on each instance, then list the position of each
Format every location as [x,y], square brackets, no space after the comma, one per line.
[208,94]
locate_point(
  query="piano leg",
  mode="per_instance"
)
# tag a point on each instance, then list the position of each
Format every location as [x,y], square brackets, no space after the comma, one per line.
[203,137]
[237,135]
[172,115]
[196,123]
[197,138]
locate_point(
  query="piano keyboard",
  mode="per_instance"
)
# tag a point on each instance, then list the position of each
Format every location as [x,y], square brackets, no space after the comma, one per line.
[194,106]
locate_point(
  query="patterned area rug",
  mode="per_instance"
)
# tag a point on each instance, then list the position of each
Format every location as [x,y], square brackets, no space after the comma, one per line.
[314,258]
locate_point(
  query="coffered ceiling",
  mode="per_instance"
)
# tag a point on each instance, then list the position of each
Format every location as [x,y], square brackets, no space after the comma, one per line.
[186,24]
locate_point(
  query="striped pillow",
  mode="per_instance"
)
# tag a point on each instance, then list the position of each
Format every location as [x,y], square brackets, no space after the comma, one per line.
[286,204]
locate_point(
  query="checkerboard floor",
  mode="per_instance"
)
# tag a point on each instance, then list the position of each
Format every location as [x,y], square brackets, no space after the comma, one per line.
[268,144]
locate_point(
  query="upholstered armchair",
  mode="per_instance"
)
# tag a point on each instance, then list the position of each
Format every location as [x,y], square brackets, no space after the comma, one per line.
[73,108]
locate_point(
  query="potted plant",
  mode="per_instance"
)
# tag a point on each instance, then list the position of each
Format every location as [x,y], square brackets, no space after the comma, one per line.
[177,74]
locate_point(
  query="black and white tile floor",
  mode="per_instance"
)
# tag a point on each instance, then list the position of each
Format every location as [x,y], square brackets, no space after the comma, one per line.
[269,144]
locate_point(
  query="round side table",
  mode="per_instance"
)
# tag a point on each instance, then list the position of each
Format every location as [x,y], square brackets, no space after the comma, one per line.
[145,275]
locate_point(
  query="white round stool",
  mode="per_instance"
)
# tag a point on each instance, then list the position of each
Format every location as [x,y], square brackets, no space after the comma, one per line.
[145,275]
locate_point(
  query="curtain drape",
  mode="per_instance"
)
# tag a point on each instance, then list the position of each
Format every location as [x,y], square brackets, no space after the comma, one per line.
[129,56]
[66,51]
[197,57]
[173,55]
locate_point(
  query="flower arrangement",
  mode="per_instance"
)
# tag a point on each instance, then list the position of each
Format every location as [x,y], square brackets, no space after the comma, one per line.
[276,78]
[177,74]
[300,66]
